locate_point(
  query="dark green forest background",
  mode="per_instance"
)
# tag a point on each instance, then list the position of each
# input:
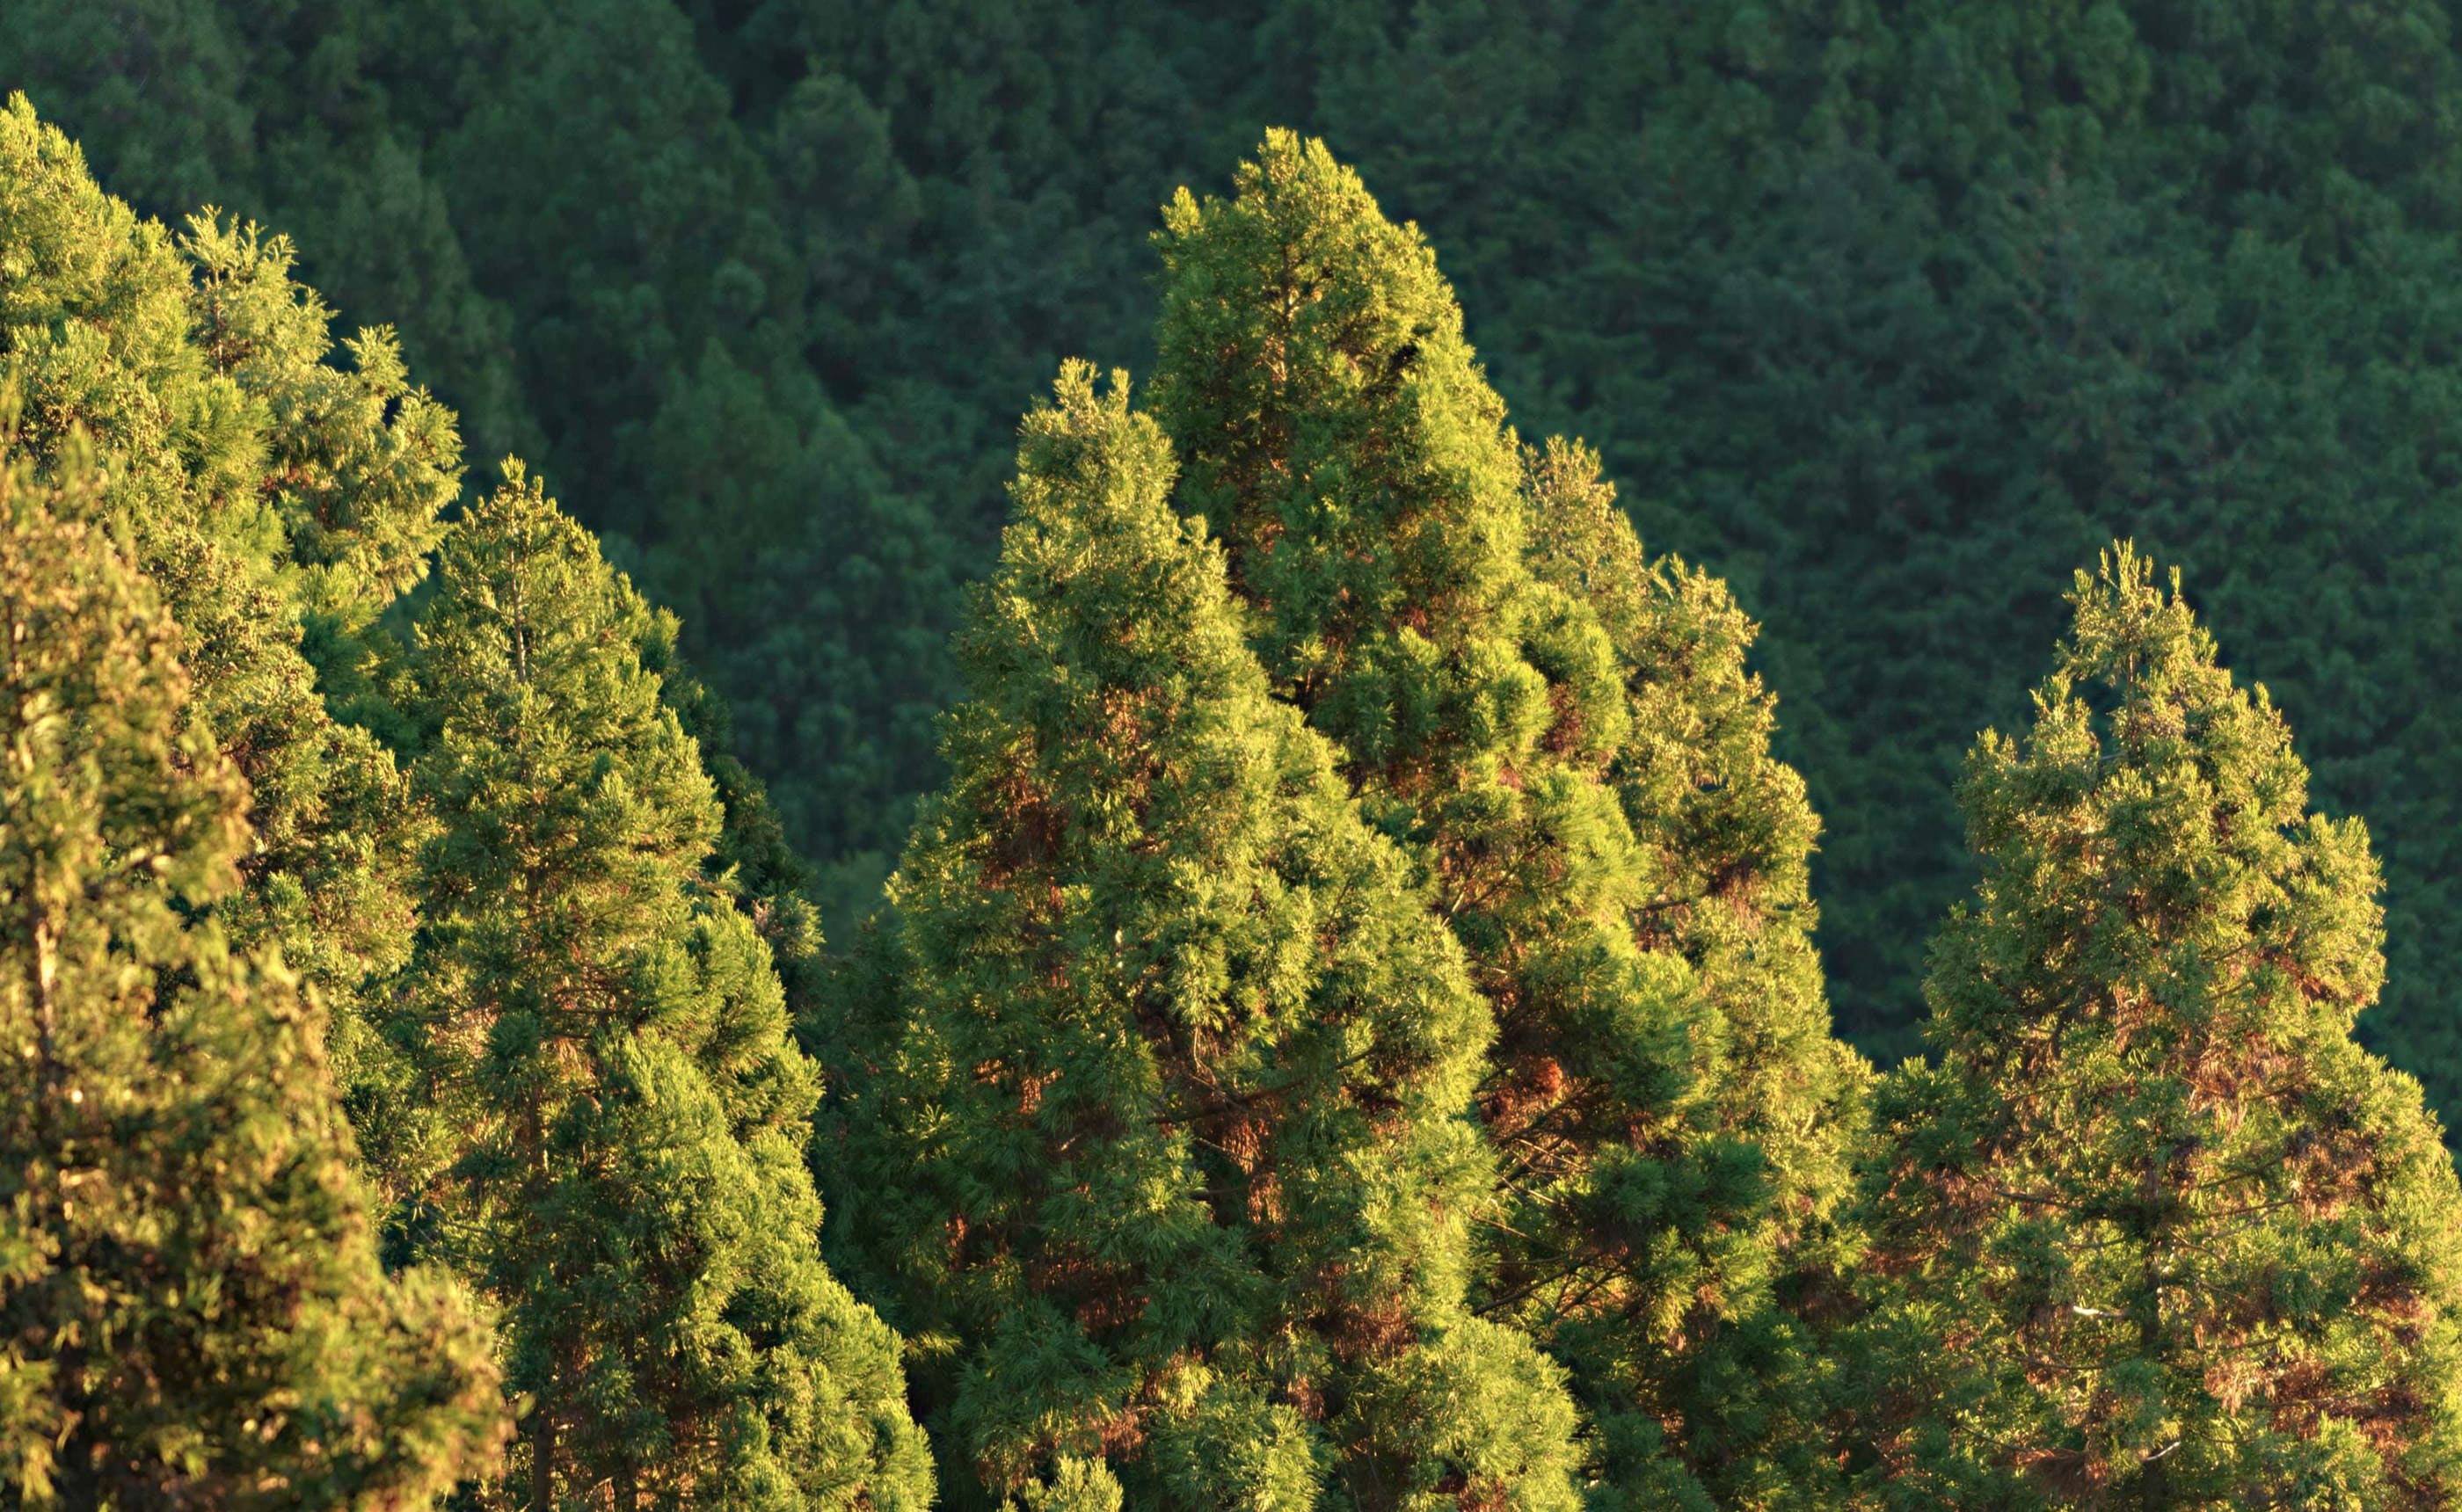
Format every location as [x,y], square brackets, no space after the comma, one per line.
[1889,313]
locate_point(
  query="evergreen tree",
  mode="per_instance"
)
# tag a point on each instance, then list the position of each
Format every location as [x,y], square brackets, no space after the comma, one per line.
[1724,838]
[1723,827]
[1894,312]
[264,493]
[356,462]
[1164,1135]
[2153,1231]
[191,1299]
[602,1040]
[1667,1100]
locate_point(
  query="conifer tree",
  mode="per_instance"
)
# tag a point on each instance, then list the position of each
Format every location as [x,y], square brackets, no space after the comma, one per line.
[1569,748]
[261,487]
[2152,1230]
[603,1040]
[1165,1134]
[1723,827]
[1724,837]
[356,462]
[191,1309]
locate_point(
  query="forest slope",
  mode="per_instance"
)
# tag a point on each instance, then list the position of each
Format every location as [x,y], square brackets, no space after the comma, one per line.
[1887,318]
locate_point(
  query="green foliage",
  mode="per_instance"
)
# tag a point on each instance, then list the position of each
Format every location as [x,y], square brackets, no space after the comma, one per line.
[1894,313]
[257,485]
[2152,1231]
[1523,713]
[1886,314]
[1723,838]
[613,1114]
[271,108]
[1165,1135]
[264,490]
[358,465]
[1151,1115]
[189,1289]
[715,261]
[752,858]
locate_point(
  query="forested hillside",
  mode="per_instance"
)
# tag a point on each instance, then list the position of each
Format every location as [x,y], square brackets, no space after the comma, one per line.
[1346,1027]
[1886,314]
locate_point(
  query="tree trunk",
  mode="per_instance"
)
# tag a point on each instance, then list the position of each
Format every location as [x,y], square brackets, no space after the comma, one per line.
[542,1461]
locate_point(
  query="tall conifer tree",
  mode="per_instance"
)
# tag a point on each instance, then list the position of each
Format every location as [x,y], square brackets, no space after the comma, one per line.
[1723,827]
[2152,1231]
[604,1042]
[1724,837]
[1184,1060]
[1663,1088]
[262,488]
[191,1309]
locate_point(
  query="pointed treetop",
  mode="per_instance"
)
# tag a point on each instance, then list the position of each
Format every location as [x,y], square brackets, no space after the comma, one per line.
[1334,424]
[1086,546]
[528,618]
[2154,1229]
[1565,737]
[2145,755]
[605,1042]
[1185,1057]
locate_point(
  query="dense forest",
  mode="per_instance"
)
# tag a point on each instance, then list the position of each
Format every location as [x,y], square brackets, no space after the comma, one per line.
[623,891]
[1888,315]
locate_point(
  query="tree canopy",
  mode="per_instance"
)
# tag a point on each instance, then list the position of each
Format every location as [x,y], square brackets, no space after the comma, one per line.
[1666,1141]
[189,1284]
[1886,316]
[226,870]
[1345,1025]
[603,1045]
[1171,1121]
[2153,1230]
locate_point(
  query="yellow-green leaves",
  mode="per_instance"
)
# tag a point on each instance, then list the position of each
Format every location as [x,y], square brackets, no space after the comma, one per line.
[1162,1113]
[188,1274]
[2153,1228]
[614,1114]
[1563,735]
